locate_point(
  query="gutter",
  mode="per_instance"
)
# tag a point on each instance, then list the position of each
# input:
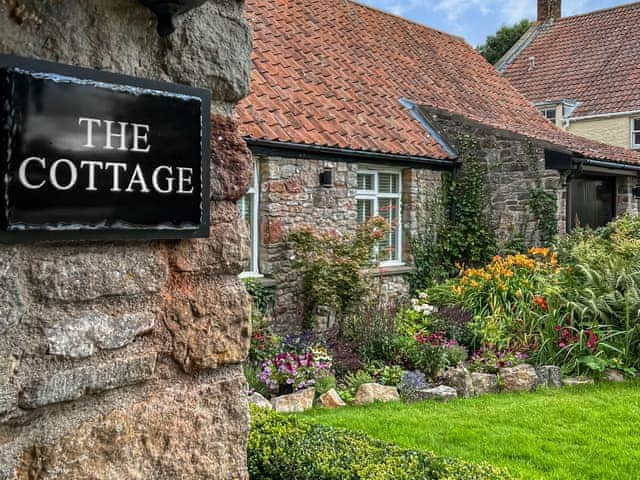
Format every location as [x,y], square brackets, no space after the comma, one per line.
[612,165]
[317,152]
[604,115]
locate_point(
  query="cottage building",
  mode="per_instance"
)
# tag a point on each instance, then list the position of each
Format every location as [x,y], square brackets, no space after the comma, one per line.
[355,112]
[582,72]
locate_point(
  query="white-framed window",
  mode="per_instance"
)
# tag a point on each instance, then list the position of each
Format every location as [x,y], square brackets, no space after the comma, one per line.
[380,194]
[249,211]
[635,133]
[550,114]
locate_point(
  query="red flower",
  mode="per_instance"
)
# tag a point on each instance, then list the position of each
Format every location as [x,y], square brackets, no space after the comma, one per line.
[541,302]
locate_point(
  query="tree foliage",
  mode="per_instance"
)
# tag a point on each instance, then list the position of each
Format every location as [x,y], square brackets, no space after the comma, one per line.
[505,38]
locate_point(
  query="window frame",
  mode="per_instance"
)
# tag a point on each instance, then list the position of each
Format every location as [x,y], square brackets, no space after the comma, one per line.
[254,235]
[374,195]
[635,131]
[544,111]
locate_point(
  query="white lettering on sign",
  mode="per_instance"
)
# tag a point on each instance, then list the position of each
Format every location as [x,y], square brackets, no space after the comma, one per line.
[63,174]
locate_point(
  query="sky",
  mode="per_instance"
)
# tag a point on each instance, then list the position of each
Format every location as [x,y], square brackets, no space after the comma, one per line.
[475,19]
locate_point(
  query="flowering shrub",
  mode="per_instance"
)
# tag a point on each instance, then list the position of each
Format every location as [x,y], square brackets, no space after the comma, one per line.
[437,352]
[490,359]
[298,371]
[504,296]
[331,265]
[264,344]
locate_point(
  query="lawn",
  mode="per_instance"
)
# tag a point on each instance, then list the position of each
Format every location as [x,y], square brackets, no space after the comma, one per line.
[570,434]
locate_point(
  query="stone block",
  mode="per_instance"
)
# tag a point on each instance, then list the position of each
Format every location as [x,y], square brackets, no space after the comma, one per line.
[612,375]
[258,400]
[181,431]
[231,162]
[331,400]
[8,366]
[549,376]
[209,321]
[12,302]
[460,379]
[484,383]
[295,402]
[441,393]
[79,337]
[522,378]
[576,381]
[226,251]
[81,275]
[372,392]
[8,398]
[67,385]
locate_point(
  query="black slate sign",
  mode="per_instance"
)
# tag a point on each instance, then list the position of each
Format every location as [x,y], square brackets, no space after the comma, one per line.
[86,154]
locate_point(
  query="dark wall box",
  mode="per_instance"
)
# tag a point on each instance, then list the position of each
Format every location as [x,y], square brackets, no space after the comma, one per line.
[90,155]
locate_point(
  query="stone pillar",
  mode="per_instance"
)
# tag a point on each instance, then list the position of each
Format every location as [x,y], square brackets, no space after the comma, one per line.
[122,360]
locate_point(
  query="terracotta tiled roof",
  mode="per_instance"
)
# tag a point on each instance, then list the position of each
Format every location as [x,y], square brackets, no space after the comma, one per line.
[333,72]
[592,58]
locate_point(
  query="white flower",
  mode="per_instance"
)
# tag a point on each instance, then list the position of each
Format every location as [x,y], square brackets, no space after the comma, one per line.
[423,295]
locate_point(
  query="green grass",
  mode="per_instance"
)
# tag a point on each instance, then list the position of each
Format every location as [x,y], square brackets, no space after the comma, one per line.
[570,434]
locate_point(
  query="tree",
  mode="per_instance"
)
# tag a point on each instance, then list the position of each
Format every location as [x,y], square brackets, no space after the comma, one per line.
[505,38]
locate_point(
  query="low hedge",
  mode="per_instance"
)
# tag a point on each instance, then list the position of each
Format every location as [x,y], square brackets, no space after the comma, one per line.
[287,448]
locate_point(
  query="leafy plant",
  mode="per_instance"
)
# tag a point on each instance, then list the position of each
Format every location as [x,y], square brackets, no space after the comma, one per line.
[459,231]
[331,266]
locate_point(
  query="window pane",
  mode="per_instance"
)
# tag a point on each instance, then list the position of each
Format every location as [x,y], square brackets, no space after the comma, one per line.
[365,181]
[365,210]
[636,124]
[388,183]
[388,247]
[246,210]
[636,139]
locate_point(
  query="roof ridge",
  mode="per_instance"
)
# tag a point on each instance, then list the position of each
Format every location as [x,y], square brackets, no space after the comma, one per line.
[407,20]
[599,11]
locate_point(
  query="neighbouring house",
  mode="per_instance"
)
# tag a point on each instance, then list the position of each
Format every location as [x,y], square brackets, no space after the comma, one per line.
[355,112]
[583,71]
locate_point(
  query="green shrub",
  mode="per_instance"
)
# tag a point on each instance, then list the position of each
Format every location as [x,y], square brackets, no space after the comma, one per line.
[288,448]
[324,384]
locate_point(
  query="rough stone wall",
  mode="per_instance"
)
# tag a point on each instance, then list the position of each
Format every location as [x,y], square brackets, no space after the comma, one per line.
[291,197]
[510,174]
[121,360]
[625,203]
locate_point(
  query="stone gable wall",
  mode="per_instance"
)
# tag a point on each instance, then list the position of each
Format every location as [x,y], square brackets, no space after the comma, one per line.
[291,197]
[121,360]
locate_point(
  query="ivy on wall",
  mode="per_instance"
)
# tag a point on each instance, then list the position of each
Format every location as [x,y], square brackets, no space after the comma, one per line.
[543,205]
[463,237]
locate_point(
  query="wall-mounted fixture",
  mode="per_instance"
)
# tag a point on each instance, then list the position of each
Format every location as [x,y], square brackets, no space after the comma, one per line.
[165,10]
[326,178]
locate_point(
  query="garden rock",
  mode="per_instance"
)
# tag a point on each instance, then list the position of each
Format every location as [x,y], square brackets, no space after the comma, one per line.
[443,393]
[259,401]
[373,392]
[522,378]
[576,382]
[549,376]
[295,402]
[412,382]
[484,383]
[460,379]
[612,375]
[331,399]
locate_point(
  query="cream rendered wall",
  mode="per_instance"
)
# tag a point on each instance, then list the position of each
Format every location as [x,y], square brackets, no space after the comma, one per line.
[612,130]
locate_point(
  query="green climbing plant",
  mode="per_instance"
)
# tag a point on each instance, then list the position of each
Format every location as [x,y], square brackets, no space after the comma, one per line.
[543,204]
